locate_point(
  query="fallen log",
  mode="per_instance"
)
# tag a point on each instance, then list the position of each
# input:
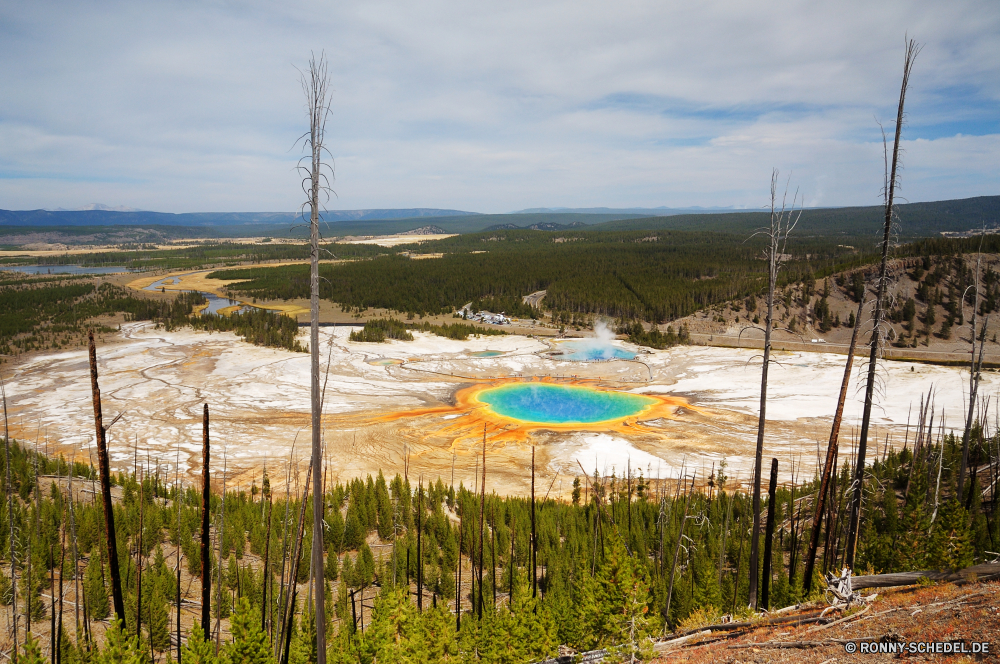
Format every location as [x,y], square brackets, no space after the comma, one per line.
[764,622]
[984,572]
[779,644]
[660,646]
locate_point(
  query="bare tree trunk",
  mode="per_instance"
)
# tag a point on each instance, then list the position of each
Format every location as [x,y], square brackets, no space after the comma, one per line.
[420,553]
[10,516]
[294,571]
[831,453]
[105,472]
[267,568]
[534,543]
[777,234]
[493,551]
[725,532]
[482,529]
[458,591]
[975,372]
[510,596]
[876,341]
[769,535]
[177,510]
[76,562]
[315,88]
[206,506]
[677,551]
[220,536]
[138,562]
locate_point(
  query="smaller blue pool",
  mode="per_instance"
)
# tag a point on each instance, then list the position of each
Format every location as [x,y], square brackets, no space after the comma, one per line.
[66,269]
[592,350]
[487,353]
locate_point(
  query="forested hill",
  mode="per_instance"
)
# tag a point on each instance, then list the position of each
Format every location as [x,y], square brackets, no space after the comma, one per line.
[654,276]
[916,219]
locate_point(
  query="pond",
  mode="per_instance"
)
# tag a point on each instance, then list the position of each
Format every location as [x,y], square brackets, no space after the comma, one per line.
[562,404]
[215,302]
[592,350]
[66,269]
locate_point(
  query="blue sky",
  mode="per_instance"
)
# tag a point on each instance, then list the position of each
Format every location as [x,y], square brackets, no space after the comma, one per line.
[493,106]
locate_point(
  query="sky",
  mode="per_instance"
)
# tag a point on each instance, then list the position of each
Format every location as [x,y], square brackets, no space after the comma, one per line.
[196,105]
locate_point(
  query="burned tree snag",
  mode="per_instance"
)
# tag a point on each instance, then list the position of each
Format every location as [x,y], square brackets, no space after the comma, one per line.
[206,504]
[831,453]
[105,473]
[878,315]
[769,536]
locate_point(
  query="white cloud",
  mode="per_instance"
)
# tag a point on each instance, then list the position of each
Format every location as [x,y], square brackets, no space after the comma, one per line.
[491,106]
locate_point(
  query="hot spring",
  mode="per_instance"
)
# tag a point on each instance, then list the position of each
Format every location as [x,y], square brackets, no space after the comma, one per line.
[562,404]
[593,350]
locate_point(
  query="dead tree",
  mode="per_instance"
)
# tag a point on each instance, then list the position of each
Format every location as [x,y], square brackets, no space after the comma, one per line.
[220,536]
[177,510]
[783,222]
[315,85]
[482,529]
[206,504]
[975,372]
[289,609]
[458,592]
[878,314]
[831,452]
[677,551]
[105,472]
[534,544]
[420,549]
[10,516]
[267,561]
[769,535]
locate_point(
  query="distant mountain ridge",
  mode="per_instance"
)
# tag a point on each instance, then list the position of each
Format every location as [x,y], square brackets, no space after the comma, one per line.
[540,226]
[102,215]
[932,219]
[661,211]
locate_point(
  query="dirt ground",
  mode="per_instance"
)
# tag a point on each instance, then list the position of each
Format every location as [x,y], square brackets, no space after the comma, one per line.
[936,613]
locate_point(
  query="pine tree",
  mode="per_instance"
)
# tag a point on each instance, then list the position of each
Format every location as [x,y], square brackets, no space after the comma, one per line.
[347,572]
[30,592]
[384,504]
[197,650]
[97,592]
[330,570]
[155,616]
[232,574]
[31,652]
[613,606]
[249,643]
[364,568]
[354,533]
[6,589]
[120,648]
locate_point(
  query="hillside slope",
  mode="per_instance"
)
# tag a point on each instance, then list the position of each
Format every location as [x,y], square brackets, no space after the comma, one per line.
[916,220]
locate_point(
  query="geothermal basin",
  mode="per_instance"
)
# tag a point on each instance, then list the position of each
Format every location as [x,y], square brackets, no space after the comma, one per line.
[428,403]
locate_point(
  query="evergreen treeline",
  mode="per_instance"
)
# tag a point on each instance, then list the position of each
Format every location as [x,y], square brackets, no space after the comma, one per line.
[143,257]
[379,329]
[257,326]
[654,338]
[652,276]
[458,331]
[55,313]
[625,559]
